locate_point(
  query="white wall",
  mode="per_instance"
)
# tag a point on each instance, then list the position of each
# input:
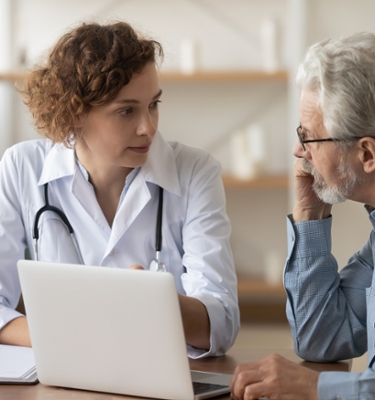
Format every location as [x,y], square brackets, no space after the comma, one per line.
[204,114]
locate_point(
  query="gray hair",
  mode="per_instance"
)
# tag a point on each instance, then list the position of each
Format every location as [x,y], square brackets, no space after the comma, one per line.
[342,72]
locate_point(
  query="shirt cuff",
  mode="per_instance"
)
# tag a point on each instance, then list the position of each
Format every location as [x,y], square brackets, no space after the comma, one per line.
[8,314]
[216,314]
[338,386]
[309,238]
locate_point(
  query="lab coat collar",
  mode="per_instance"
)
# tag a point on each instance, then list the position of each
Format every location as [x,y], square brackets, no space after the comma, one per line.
[59,162]
[161,168]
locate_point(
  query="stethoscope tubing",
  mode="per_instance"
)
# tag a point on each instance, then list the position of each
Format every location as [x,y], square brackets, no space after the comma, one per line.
[64,218]
[48,207]
[159,222]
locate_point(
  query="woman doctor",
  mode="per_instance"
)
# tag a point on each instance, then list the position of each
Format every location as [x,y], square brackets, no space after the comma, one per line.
[102,164]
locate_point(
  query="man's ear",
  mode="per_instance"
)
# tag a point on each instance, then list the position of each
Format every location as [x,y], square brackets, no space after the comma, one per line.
[366,148]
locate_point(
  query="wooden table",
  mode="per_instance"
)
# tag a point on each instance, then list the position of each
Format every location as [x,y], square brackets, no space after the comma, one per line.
[225,364]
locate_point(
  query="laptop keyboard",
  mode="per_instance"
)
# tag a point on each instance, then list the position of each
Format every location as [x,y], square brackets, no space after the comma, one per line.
[200,387]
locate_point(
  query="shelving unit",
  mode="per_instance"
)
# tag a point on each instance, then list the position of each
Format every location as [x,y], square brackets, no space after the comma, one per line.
[224,76]
[259,300]
[260,182]
[202,76]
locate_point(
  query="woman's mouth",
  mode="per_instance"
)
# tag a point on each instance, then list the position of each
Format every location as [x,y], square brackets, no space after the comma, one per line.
[140,149]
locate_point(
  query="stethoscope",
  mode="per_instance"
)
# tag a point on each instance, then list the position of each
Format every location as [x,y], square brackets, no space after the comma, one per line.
[155,265]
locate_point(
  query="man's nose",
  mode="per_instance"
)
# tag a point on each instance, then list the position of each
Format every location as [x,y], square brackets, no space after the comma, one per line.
[298,149]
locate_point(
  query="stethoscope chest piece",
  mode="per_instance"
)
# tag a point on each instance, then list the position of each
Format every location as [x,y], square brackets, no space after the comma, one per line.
[157,266]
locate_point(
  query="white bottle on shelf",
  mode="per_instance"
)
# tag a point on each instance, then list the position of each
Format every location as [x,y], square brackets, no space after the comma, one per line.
[241,166]
[269,44]
[256,148]
[189,56]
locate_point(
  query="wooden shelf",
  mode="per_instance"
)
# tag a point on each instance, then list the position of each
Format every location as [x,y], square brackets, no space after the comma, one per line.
[260,301]
[261,182]
[249,287]
[224,76]
[11,76]
[203,76]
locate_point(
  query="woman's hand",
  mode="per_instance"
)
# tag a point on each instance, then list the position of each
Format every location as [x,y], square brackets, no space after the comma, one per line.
[136,266]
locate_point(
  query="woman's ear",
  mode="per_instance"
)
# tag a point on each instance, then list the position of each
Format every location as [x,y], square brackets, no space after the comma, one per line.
[366,147]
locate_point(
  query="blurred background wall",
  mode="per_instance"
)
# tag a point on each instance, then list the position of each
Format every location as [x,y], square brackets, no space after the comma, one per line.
[229,36]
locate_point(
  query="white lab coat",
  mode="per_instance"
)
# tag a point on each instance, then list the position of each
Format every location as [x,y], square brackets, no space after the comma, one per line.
[195,230]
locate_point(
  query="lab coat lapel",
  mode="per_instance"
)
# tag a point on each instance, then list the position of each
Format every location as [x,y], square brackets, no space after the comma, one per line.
[85,194]
[161,170]
[134,202]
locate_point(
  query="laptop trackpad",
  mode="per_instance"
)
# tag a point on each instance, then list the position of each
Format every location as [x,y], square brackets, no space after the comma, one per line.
[215,378]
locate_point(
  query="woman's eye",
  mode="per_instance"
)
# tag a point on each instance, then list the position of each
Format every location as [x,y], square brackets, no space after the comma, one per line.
[126,111]
[154,104]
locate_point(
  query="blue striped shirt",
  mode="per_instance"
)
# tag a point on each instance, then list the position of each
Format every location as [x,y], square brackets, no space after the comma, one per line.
[331,313]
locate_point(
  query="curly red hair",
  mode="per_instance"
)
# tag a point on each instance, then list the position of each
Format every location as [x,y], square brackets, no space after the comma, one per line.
[86,68]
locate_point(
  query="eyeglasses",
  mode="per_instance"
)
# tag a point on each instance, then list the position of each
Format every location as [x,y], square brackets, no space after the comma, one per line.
[303,141]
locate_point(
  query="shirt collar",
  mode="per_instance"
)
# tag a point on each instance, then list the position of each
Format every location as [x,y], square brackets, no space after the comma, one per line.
[59,162]
[160,167]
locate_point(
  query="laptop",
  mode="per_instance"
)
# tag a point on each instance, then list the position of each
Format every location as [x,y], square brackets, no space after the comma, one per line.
[110,330]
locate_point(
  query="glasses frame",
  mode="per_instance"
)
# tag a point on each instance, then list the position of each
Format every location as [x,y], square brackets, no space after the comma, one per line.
[302,141]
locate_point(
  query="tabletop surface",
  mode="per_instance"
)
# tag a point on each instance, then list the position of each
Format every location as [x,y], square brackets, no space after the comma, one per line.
[224,364]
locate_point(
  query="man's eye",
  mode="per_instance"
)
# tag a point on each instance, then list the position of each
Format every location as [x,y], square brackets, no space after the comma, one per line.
[302,134]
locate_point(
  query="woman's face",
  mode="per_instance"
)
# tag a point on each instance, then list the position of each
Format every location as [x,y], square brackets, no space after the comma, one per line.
[120,133]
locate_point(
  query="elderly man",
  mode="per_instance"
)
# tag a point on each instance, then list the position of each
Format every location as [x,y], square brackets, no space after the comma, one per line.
[331,313]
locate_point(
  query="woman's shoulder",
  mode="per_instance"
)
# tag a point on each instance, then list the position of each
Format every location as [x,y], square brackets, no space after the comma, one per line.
[29,152]
[188,155]
[30,147]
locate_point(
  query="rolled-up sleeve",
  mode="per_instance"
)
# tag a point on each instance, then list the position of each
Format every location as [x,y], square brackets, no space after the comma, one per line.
[210,275]
[326,309]
[347,385]
[12,239]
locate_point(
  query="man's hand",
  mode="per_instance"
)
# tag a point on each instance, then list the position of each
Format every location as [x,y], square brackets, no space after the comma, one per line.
[276,378]
[307,206]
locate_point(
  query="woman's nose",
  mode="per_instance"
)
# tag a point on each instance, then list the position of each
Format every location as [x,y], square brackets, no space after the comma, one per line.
[147,126]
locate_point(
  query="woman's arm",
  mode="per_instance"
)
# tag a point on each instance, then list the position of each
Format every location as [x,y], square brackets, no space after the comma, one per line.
[16,332]
[196,322]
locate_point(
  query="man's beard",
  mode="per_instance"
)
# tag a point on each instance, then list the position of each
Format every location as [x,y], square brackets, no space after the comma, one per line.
[348,180]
